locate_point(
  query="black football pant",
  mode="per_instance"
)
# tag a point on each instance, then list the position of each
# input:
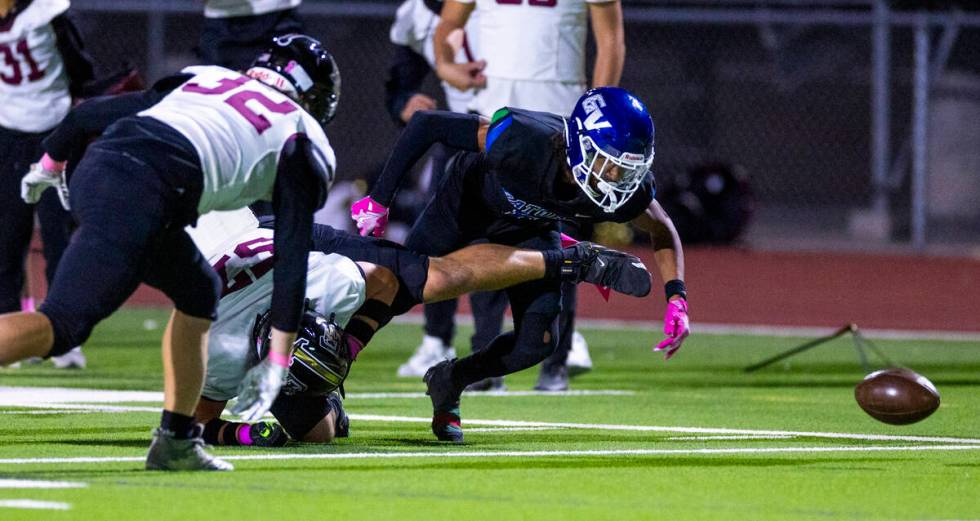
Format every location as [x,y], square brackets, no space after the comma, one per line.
[132,195]
[17,151]
[456,217]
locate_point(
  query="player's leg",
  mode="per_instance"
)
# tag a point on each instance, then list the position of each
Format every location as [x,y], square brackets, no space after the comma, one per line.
[380,288]
[312,419]
[17,150]
[488,317]
[56,228]
[553,375]
[222,432]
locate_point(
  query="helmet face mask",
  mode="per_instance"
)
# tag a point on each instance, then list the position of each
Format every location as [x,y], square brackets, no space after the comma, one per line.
[320,361]
[609,141]
[299,66]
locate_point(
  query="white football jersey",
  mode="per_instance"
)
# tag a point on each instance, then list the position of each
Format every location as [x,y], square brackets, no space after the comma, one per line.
[540,40]
[242,254]
[415,25]
[228,8]
[34,93]
[239,127]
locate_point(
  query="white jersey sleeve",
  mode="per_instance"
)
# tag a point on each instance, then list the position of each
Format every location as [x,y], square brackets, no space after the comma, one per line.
[415,26]
[239,127]
[34,93]
[334,285]
[229,8]
[542,40]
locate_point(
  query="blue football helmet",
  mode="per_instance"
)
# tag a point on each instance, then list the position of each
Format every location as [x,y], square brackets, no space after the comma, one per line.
[610,145]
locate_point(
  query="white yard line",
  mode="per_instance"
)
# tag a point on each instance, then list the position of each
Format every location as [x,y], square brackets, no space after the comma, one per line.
[511,429]
[24,483]
[500,394]
[728,438]
[31,504]
[517,454]
[742,329]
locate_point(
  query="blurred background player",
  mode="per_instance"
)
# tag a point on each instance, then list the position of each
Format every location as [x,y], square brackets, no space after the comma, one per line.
[206,139]
[236,31]
[414,58]
[43,68]
[537,62]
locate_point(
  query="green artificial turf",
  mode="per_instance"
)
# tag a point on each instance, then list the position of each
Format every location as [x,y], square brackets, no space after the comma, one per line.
[510,474]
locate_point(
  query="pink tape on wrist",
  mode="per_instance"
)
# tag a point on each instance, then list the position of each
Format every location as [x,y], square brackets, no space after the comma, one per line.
[354,346]
[244,434]
[51,165]
[279,359]
[27,305]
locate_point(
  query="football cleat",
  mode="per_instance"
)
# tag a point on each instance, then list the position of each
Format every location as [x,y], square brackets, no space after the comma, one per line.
[579,361]
[73,359]
[552,378]
[429,353]
[341,425]
[446,423]
[491,384]
[589,262]
[169,453]
[267,434]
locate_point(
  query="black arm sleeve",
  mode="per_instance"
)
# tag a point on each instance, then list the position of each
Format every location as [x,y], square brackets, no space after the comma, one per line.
[78,64]
[405,76]
[297,195]
[90,118]
[426,128]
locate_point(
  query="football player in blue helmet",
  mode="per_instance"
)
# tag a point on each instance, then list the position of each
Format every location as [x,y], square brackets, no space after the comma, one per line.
[517,177]
[610,145]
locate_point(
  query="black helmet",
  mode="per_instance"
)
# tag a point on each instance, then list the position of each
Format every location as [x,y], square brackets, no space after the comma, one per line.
[310,71]
[320,360]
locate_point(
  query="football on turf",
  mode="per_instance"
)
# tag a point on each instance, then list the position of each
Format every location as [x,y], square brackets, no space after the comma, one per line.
[897,396]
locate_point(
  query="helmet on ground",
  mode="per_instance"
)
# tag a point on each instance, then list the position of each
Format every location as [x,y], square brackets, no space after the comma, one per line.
[299,66]
[320,360]
[610,145]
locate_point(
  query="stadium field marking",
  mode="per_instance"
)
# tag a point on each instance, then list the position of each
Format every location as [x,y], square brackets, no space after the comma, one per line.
[500,394]
[685,430]
[729,438]
[31,504]
[742,329]
[517,454]
[511,429]
[25,483]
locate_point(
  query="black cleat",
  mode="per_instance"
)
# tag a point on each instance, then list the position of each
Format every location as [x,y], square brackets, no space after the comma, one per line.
[446,423]
[622,272]
[267,434]
[342,423]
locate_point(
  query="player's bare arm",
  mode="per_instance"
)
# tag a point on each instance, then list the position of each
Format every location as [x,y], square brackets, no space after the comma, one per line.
[607,28]
[463,76]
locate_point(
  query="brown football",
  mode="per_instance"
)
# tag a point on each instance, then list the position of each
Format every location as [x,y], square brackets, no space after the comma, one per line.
[897,396]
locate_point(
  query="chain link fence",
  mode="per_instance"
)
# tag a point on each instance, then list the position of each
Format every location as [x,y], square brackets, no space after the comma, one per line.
[781,89]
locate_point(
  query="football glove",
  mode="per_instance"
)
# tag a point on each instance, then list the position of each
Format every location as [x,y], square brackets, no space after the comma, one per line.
[676,327]
[259,389]
[371,217]
[43,175]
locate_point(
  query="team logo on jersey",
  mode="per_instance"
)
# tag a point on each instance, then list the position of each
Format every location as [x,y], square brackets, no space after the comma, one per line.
[530,211]
[593,108]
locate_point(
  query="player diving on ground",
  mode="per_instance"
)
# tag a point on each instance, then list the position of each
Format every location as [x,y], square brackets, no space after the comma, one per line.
[354,286]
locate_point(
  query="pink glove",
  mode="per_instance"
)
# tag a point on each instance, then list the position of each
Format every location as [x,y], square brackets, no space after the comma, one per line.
[566,241]
[371,217]
[676,327]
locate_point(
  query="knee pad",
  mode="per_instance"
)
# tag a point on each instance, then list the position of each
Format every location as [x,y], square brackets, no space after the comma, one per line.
[69,331]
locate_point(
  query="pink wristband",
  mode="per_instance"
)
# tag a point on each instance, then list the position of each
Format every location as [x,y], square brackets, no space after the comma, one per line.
[51,165]
[279,359]
[244,434]
[354,346]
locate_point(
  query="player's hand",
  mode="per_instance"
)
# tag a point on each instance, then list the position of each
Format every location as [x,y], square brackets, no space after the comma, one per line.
[463,76]
[416,103]
[259,389]
[43,175]
[676,327]
[371,217]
